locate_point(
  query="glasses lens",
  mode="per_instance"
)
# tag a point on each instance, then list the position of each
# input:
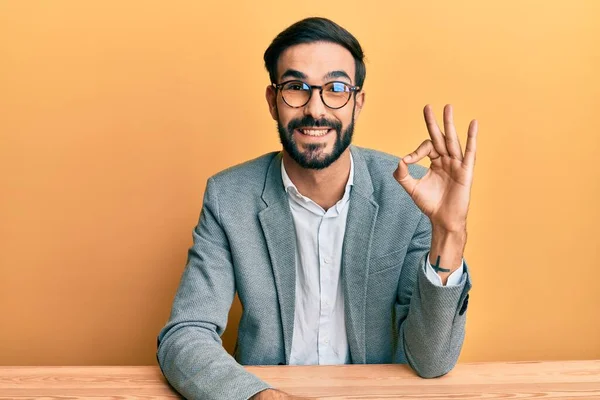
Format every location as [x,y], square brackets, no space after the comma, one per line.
[336,94]
[296,93]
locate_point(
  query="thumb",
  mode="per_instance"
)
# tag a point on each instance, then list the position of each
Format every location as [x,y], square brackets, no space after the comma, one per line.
[403,177]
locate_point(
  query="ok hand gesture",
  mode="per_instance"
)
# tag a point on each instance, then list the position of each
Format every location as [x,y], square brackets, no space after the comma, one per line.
[443,193]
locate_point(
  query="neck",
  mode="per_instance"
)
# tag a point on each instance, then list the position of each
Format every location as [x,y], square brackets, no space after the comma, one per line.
[325,186]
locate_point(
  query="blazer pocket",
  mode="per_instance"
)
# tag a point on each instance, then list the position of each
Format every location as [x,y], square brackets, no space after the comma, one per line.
[389,261]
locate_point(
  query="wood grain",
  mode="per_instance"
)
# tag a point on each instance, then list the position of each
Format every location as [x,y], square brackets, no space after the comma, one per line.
[499,380]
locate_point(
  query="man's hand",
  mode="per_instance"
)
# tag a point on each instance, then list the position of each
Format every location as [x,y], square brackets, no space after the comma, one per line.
[443,193]
[272,394]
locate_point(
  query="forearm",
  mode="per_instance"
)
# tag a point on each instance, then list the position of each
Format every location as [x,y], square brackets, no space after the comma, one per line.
[430,317]
[447,249]
[432,334]
[198,367]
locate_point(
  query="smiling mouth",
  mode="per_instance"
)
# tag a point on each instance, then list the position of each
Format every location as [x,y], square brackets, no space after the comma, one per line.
[315,132]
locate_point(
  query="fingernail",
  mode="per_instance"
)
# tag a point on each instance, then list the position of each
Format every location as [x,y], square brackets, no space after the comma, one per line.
[406,158]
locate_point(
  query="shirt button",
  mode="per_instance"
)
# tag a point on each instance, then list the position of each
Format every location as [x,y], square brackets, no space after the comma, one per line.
[327,260]
[326,303]
[326,341]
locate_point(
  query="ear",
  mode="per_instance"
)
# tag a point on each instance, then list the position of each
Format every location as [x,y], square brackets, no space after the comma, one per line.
[271,96]
[359,103]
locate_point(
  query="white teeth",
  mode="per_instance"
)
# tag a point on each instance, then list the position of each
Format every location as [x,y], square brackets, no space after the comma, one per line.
[314,132]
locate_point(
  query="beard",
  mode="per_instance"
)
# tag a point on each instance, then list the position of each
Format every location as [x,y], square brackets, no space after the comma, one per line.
[312,157]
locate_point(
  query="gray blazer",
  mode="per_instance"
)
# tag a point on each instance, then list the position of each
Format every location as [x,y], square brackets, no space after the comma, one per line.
[245,242]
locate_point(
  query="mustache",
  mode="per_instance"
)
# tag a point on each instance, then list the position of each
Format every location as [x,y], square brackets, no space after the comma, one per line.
[308,121]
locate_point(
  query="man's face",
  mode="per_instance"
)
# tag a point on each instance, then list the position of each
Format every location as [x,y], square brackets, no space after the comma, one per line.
[315,135]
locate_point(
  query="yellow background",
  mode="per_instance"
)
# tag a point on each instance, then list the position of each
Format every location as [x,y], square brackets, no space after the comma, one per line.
[114,113]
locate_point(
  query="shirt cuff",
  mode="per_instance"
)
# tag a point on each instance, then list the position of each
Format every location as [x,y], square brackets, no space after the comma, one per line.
[454,279]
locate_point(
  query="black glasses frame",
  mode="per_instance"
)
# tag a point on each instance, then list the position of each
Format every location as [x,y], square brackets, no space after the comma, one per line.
[353,89]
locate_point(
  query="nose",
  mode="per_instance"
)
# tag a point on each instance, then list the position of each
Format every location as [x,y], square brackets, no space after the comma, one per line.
[315,107]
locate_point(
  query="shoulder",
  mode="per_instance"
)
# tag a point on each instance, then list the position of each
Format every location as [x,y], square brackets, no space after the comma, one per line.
[394,202]
[381,165]
[244,176]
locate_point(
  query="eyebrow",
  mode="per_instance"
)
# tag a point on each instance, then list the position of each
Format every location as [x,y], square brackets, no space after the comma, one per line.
[337,74]
[292,73]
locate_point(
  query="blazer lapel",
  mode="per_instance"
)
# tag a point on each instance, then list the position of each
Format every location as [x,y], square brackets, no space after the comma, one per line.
[278,228]
[356,251]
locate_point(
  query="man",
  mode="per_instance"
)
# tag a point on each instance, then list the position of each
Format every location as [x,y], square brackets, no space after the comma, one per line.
[339,254]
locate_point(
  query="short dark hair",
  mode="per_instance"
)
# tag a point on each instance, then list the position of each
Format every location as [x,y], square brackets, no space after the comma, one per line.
[315,29]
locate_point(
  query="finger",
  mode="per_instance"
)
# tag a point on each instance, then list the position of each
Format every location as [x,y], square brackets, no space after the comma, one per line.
[425,149]
[403,177]
[401,173]
[435,133]
[452,141]
[469,160]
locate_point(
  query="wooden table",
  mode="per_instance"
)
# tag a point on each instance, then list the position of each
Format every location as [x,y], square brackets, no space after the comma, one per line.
[499,380]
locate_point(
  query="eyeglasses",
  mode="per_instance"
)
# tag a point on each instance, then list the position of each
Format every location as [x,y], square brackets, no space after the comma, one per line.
[297,94]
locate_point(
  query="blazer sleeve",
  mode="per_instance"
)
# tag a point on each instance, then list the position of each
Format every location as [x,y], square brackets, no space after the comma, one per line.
[190,352]
[431,318]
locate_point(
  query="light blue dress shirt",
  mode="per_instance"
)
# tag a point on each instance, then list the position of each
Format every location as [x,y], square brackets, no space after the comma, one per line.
[319,320]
